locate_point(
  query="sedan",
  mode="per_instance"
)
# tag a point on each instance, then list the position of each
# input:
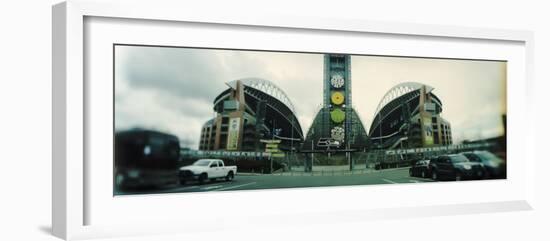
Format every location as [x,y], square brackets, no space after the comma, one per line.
[494,166]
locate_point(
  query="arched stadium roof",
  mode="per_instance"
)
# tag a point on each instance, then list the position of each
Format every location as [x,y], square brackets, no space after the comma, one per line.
[399,90]
[267,87]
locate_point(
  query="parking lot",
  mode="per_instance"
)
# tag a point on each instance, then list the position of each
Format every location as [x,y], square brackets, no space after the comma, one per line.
[250,181]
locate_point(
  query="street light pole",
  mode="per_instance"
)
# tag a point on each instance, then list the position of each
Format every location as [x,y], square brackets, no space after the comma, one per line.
[309,166]
[271,156]
[291,144]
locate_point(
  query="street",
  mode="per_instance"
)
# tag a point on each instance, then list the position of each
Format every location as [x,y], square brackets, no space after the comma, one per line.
[246,181]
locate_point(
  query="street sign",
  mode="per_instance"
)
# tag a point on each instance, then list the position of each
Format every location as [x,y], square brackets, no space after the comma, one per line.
[278,154]
[271,145]
[271,141]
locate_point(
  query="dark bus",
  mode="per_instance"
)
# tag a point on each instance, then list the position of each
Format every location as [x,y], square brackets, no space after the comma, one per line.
[145,158]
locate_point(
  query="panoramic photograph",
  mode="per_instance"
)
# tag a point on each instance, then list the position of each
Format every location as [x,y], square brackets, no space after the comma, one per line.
[202,120]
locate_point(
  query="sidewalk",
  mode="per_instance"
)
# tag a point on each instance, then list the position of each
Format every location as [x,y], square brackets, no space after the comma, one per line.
[323,171]
[333,172]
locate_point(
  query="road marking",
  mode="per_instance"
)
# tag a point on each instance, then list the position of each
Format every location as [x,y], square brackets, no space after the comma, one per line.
[421,180]
[211,187]
[388,181]
[231,187]
[185,188]
[392,169]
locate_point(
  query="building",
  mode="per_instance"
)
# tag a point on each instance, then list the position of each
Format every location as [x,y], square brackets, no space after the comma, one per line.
[248,111]
[409,116]
[336,125]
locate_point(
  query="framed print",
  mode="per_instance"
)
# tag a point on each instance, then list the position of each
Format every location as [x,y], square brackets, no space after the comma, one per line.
[188,119]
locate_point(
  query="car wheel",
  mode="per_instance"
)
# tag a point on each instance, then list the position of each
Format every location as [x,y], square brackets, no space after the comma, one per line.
[480,175]
[182,181]
[423,174]
[119,179]
[202,178]
[435,176]
[487,175]
[229,177]
[458,176]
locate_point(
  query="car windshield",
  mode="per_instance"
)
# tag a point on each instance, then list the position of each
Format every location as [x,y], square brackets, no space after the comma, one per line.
[472,157]
[202,163]
[487,155]
[458,159]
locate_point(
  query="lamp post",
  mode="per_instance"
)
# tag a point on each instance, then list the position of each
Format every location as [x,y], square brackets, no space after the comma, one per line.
[272,138]
[291,144]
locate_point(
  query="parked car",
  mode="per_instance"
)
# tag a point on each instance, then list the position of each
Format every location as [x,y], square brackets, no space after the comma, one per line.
[420,168]
[494,166]
[328,143]
[205,169]
[455,167]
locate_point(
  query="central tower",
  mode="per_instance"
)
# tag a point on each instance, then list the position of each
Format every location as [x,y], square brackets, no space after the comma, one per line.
[336,125]
[337,96]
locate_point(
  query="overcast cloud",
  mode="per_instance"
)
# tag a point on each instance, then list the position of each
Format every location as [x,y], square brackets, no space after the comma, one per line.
[172,89]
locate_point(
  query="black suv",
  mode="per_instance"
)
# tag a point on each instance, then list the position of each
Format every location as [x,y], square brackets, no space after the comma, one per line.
[455,167]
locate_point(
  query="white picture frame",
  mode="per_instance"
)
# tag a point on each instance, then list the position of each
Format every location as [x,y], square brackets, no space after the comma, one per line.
[72,191]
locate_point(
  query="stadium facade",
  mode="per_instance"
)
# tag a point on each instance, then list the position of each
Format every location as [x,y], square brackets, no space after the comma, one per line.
[408,116]
[253,109]
[248,111]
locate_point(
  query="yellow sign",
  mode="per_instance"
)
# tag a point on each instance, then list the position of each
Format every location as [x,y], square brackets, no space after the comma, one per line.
[272,145]
[270,141]
[337,98]
[278,154]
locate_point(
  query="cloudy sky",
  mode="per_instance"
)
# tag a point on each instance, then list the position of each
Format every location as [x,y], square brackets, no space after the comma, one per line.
[172,89]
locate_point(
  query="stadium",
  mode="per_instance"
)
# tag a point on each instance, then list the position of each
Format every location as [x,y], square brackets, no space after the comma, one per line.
[249,111]
[408,116]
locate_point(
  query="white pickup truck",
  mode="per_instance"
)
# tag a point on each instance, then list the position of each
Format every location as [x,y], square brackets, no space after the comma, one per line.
[205,169]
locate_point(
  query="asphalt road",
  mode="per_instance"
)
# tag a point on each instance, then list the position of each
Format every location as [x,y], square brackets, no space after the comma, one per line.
[258,181]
